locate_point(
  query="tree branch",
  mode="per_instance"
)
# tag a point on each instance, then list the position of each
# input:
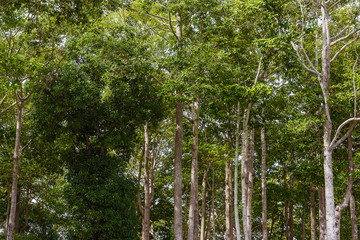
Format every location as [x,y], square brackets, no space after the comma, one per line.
[335,143]
[8,108]
[345,37]
[3,99]
[313,71]
[345,46]
[340,33]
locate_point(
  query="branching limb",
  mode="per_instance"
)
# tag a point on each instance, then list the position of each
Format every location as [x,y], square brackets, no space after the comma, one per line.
[345,46]
[340,33]
[335,143]
[172,29]
[8,108]
[345,37]
[313,71]
[188,118]
[3,99]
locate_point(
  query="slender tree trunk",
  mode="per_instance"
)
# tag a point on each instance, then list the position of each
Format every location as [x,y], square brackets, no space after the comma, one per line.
[18,209]
[312,212]
[146,217]
[203,206]
[244,169]
[303,222]
[328,170]
[193,229]
[291,210]
[213,204]
[354,230]
[178,152]
[178,173]
[228,201]
[229,207]
[286,221]
[263,180]
[236,179]
[322,218]
[15,176]
[186,208]
[250,184]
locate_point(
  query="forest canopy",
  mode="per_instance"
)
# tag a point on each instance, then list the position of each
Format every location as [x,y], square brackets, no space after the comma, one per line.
[186,119]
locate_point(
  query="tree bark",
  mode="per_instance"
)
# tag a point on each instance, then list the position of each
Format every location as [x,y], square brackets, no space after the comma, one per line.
[312,212]
[236,179]
[178,173]
[322,218]
[263,180]
[15,175]
[213,204]
[303,222]
[354,230]
[203,206]
[250,184]
[147,202]
[244,169]
[193,228]
[229,202]
[291,209]
[178,232]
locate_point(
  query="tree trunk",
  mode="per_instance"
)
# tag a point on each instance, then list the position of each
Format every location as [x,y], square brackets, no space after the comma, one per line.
[291,210]
[263,180]
[322,218]
[146,216]
[354,230]
[312,212]
[244,169]
[15,175]
[286,221]
[236,180]
[203,206]
[250,184]
[328,170]
[303,222]
[178,152]
[178,173]
[193,228]
[18,209]
[213,204]
[228,201]
[229,207]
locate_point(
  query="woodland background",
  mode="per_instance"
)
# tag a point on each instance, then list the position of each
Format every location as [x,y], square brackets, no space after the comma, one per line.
[179,119]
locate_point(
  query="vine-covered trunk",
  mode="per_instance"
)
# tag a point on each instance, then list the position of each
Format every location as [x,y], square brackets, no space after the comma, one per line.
[15,175]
